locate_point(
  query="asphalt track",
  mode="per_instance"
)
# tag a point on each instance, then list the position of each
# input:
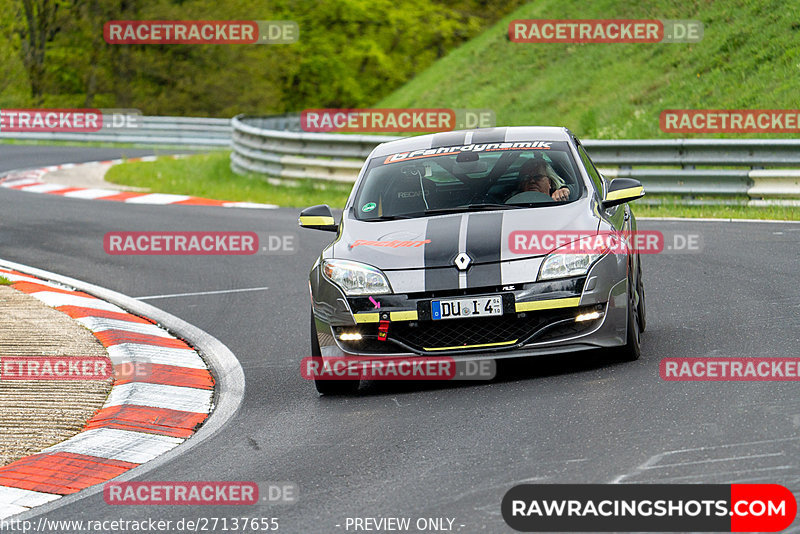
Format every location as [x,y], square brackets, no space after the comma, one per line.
[442,450]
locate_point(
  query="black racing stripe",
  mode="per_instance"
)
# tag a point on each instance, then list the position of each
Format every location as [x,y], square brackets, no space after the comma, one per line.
[493,135]
[440,272]
[483,246]
[449,139]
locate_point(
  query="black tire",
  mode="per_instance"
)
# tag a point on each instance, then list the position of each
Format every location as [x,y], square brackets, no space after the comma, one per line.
[328,387]
[632,349]
[641,309]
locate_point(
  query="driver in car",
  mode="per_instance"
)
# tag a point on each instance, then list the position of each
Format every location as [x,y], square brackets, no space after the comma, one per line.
[538,175]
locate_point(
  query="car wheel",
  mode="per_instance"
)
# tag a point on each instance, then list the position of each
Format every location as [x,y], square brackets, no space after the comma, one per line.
[328,387]
[641,309]
[632,349]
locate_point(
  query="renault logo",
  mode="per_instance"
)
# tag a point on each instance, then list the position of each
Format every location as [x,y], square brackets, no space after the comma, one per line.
[462,261]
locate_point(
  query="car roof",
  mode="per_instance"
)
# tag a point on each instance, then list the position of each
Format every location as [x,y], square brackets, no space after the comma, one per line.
[477,136]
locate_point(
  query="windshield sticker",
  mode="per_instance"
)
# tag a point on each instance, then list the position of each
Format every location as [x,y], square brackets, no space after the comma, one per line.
[449,150]
[368,207]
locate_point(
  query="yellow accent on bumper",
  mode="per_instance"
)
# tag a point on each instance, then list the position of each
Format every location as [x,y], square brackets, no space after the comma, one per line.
[393,316]
[316,221]
[629,192]
[404,316]
[500,344]
[550,304]
[366,317]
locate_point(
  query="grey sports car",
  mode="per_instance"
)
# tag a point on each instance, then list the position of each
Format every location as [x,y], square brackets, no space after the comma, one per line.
[433,253]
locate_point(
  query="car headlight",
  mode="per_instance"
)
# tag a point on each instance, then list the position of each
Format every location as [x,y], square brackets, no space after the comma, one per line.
[560,264]
[356,278]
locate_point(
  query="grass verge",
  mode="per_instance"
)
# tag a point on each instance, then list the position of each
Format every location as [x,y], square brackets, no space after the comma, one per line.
[779,213]
[5,281]
[210,176]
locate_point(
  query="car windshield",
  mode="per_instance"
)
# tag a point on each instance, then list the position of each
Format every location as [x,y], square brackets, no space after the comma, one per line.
[468,178]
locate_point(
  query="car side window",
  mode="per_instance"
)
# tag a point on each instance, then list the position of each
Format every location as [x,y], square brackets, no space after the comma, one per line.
[592,171]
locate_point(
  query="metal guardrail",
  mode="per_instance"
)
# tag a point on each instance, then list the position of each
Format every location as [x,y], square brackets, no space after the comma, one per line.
[184,131]
[275,146]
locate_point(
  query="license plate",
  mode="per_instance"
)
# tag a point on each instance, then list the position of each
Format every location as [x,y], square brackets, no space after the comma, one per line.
[468,307]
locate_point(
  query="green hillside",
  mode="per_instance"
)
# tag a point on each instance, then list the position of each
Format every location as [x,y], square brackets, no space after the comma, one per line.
[749,58]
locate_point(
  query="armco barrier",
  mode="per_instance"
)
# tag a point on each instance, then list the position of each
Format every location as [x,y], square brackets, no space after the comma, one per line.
[159,131]
[275,146]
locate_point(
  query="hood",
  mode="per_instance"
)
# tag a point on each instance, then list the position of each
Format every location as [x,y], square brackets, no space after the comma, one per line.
[431,242]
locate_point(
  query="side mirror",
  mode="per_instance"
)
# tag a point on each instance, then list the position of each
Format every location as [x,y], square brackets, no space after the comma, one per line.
[622,190]
[318,218]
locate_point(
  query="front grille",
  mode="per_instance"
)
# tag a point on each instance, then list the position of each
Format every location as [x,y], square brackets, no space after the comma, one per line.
[422,335]
[566,330]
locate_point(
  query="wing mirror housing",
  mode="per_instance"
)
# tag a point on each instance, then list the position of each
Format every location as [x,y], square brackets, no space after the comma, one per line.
[318,218]
[622,190]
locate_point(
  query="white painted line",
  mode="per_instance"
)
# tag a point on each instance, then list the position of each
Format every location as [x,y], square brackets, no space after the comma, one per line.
[134,352]
[219,292]
[249,205]
[156,198]
[774,173]
[11,182]
[43,188]
[713,460]
[7,510]
[653,460]
[100,324]
[18,278]
[53,300]
[23,497]
[778,202]
[161,396]
[728,473]
[114,444]
[91,193]
[700,219]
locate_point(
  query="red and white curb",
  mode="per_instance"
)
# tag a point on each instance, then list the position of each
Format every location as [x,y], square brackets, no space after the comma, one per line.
[147,413]
[30,181]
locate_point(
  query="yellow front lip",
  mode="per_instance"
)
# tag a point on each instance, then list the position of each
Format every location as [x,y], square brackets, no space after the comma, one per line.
[550,304]
[482,345]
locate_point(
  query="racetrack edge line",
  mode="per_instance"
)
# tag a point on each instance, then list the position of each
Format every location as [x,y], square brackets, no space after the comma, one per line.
[704,219]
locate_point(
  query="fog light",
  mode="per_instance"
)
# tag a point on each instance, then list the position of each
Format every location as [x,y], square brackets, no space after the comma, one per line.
[591,316]
[350,336]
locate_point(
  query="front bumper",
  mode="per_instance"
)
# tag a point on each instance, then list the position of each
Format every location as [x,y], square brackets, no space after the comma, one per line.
[538,318]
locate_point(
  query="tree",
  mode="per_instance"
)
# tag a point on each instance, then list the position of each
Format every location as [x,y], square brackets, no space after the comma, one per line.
[39,28]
